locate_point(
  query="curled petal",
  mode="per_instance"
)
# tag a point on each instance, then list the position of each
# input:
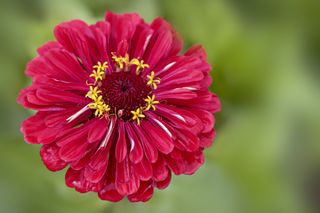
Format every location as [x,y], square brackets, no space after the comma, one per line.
[50,157]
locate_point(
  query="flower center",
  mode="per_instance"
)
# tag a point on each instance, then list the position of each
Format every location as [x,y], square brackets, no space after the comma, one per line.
[124,92]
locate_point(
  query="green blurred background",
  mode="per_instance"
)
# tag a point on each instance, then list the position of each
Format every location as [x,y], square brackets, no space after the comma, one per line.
[266,69]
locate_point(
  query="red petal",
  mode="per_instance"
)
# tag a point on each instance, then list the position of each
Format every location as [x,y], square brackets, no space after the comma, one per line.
[123,47]
[108,139]
[177,94]
[206,139]
[50,157]
[160,170]
[149,149]
[50,134]
[205,100]
[126,181]
[32,126]
[71,177]
[65,66]
[165,183]
[121,145]
[197,51]
[136,152]
[144,193]
[36,132]
[52,96]
[159,138]
[187,141]
[143,170]
[75,179]
[37,66]
[101,32]
[97,130]
[188,164]
[157,121]
[83,161]
[73,36]
[177,116]
[48,46]
[177,43]
[158,47]
[97,167]
[122,27]
[73,147]
[185,70]
[140,40]
[110,193]
[72,151]
[206,118]
[58,118]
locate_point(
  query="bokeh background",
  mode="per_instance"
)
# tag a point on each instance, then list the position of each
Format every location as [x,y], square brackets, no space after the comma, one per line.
[265,56]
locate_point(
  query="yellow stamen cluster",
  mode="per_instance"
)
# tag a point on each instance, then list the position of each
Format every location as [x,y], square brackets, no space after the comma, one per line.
[94,92]
[99,71]
[121,61]
[137,114]
[140,65]
[153,81]
[99,105]
[125,62]
[151,102]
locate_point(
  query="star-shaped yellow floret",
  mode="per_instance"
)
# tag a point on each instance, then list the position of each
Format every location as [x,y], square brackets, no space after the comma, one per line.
[153,81]
[140,65]
[99,105]
[101,66]
[102,109]
[137,115]
[151,102]
[99,70]
[121,61]
[93,92]
[97,75]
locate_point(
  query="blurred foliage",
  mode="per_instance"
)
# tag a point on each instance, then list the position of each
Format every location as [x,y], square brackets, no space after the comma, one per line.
[265,57]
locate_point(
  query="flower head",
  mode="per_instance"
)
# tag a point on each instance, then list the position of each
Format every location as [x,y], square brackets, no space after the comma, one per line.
[119,106]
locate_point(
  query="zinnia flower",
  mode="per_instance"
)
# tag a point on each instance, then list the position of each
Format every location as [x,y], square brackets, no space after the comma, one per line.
[119,106]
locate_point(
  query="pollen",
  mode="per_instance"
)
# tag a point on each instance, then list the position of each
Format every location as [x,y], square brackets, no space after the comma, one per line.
[100,107]
[121,61]
[153,81]
[151,103]
[101,67]
[137,114]
[99,71]
[93,92]
[140,65]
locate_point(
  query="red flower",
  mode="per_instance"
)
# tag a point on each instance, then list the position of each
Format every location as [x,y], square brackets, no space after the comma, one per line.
[119,106]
